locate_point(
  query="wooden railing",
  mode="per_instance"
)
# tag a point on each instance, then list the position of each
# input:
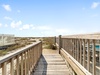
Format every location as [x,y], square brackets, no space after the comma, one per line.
[81,53]
[21,62]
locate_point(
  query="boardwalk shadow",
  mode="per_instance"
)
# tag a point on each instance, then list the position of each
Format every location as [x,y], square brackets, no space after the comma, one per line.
[41,68]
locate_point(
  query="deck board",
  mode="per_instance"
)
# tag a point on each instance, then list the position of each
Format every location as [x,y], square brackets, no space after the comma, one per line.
[51,63]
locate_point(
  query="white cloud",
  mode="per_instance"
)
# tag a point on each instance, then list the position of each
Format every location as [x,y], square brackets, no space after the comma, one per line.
[15,24]
[0,24]
[95,5]
[6,7]
[46,30]
[7,18]
[33,27]
[27,26]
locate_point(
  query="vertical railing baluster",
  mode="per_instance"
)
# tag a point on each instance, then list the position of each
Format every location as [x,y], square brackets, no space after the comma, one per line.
[60,43]
[80,51]
[77,50]
[28,61]
[17,65]
[66,44]
[74,48]
[94,59]
[22,64]
[33,57]
[88,55]
[12,66]
[4,69]
[84,52]
[71,47]
[25,64]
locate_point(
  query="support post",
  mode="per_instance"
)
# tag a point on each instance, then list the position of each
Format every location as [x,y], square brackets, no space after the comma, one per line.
[60,43]
[55,40]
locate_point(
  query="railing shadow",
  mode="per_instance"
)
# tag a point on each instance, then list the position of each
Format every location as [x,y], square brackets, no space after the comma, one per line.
[41,68]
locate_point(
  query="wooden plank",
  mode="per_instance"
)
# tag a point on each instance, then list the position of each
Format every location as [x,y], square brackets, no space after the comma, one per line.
[48,65]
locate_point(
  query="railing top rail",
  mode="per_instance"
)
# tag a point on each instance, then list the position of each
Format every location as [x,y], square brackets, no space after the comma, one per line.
[85,36]
[18,52]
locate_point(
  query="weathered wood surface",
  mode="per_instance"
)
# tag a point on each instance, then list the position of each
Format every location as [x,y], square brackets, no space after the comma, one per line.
[51,63]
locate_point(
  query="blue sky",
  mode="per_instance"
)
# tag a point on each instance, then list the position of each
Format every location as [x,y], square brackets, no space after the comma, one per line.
[49,17]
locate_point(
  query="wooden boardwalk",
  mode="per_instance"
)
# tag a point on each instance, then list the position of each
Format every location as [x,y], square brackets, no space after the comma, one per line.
[51,63]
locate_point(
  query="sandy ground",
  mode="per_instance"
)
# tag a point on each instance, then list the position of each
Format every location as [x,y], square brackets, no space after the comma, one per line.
[49,51]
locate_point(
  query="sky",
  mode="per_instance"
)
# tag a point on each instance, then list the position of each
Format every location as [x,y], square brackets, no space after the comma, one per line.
[40,18]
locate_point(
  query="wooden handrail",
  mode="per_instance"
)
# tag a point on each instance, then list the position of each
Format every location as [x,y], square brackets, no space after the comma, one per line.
[21,62]
[83,36]
[82,48]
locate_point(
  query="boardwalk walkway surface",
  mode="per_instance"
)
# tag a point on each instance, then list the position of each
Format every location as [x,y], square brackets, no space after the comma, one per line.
[51,63]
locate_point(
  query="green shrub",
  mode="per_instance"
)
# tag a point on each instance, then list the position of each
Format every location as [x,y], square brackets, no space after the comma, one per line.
[48,43]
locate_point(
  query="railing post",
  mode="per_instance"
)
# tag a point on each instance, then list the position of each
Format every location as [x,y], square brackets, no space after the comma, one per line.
[60,43]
